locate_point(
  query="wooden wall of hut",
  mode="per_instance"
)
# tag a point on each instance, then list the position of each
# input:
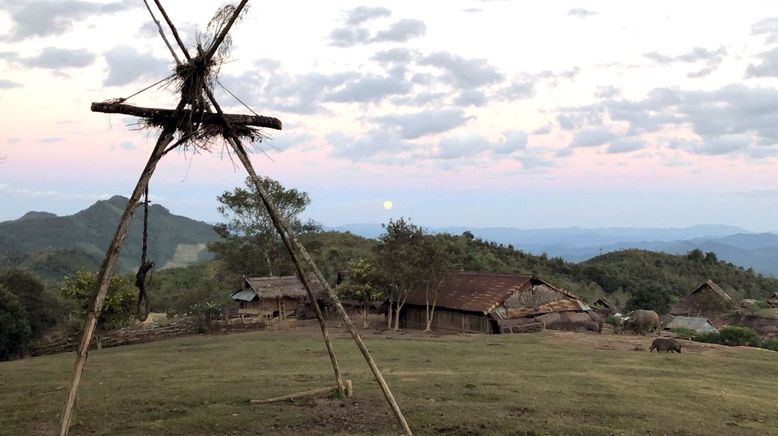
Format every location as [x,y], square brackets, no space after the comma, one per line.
[445,320]
[271,307]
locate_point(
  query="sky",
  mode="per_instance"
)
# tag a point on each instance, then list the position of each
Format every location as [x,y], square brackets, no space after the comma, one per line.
[461,113]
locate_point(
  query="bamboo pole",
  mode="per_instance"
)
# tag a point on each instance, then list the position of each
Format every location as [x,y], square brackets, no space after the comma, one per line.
[289,238]
[286,235]
[173,30]
[104,278]
[162,33]
[106,270]
[167,115]
[296,395]
[280,226]
[358,339]
[220,38]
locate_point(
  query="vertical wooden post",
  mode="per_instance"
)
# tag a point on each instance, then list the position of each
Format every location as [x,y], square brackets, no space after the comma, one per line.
[288,236]
[278,223]
[358,340]
[104,277]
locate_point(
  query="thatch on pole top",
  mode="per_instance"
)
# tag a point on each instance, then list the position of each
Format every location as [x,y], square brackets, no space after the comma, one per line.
[198,124]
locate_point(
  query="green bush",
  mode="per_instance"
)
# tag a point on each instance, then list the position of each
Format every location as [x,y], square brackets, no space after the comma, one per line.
[683,331]
[15,331]
[733,335]
[708,338]
[615,321]
[770,344]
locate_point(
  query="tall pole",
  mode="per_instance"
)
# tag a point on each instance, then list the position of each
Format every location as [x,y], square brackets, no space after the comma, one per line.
[291,243]
[288,236]
[106,271]
[278,223]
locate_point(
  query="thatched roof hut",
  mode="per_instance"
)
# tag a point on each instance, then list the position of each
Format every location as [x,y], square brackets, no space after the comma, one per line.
[493,303]
[708,299]
[273,296]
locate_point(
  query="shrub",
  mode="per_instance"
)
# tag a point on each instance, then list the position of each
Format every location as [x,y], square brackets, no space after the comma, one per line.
[770,344]
[709,338]
[615,321]
[15,331]
[683,331]
[733,335]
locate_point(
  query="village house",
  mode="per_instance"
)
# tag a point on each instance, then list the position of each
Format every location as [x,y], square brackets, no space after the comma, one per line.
[272,297]
[707,299]
[479,302]
[773,301]
[698,324]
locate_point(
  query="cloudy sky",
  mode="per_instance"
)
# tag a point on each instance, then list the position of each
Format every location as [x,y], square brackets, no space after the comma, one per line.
[465,112]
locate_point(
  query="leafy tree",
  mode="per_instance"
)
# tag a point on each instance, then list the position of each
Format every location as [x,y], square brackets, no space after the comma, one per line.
[650,298]
[15,330]
[118,308]
[43,310]
[399,262]
[363,284]
[250,244]
[442,256]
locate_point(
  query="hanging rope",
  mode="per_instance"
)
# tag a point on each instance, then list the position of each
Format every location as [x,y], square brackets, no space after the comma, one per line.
[145,264]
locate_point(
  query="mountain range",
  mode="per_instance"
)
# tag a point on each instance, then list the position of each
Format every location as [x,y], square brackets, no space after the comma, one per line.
[54,245]
[732,244]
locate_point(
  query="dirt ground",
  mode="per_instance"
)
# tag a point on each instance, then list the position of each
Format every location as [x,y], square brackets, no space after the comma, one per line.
[620,342]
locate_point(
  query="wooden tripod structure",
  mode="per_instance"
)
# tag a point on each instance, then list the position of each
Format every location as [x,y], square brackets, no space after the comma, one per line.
[194,118]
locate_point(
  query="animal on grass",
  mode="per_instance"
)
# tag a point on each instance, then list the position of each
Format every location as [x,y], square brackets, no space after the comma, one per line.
[643,322]
[665,344]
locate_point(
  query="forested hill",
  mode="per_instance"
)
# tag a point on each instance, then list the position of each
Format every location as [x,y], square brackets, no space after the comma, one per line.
[52,246]
[654,279]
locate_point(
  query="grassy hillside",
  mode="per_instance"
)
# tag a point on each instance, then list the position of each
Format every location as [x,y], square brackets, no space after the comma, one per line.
[549,383]
[48,244]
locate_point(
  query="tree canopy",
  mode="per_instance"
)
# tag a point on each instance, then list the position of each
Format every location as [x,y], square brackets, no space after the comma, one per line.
[250,244]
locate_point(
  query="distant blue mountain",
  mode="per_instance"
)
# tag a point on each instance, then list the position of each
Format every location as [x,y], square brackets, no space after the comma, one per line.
[732,244]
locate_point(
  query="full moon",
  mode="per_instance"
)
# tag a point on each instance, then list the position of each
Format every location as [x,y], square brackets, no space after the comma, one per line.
[387,204]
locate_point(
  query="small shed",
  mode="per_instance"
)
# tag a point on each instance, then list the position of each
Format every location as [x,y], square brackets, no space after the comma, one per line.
[773,301]
[479,302]
[273,296]
[698,324]
[706,299]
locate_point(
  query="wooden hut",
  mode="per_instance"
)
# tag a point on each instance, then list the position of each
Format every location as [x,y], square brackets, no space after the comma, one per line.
[706,299]
[478,302]
[272,297]
[698,324]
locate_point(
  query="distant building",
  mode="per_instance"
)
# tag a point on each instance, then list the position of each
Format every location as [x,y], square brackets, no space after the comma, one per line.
[698,324]
[604,307]
[773,301]
[707,299]
[272,297]
[479,302]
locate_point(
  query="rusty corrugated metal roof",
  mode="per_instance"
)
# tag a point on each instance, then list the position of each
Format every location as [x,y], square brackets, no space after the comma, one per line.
[474,291]
[484,292]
